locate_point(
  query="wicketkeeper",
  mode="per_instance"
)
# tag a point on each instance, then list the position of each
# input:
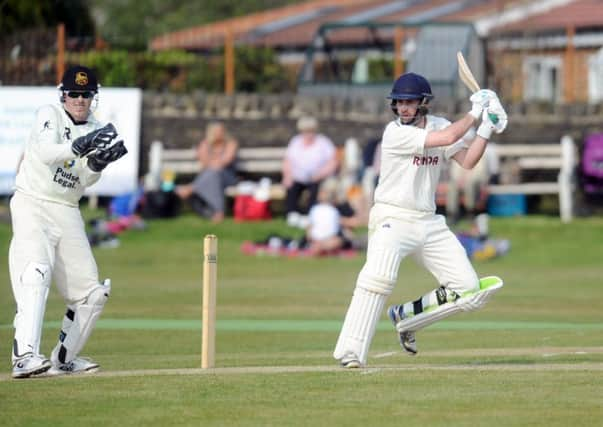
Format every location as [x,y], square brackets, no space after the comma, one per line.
[414,149]
[67,151]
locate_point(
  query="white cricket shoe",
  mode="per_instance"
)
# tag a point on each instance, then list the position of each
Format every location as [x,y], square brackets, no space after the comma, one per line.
[351,364]
[350,361]
[79,365]
[406,338]
[30,364]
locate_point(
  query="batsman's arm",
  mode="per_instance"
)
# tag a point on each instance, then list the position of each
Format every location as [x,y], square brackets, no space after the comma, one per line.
[469,157]
[480,107]
[450,134]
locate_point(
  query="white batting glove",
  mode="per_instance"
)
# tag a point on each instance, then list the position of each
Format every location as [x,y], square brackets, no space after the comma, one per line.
[497,115]
[492,122]
[486,128]
[480,100]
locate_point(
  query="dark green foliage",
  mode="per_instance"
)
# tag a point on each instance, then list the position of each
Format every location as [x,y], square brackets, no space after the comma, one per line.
[115,68]
[381,70]
[17,15]
[125,27]
[257,70]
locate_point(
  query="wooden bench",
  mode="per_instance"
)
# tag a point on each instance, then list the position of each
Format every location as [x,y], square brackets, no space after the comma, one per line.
[252,163]
[555,157]
[258,162]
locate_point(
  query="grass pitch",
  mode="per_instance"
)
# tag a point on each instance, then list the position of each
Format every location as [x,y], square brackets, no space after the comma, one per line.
[533,356]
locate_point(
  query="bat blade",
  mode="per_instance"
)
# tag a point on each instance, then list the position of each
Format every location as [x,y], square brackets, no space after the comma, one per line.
[465,73]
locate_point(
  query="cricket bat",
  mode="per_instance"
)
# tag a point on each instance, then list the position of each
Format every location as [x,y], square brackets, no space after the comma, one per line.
[467,77]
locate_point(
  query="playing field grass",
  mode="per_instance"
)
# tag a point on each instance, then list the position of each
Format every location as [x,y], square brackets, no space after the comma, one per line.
[532,357]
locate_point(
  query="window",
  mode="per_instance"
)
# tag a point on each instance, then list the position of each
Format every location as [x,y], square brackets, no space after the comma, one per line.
[595,77]
[542,78]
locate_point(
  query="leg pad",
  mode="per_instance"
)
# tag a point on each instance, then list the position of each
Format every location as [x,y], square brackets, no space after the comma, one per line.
[468,302]
[30,294]
[78,323]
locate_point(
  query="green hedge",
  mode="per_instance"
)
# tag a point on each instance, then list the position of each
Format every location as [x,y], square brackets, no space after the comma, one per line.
[256,70]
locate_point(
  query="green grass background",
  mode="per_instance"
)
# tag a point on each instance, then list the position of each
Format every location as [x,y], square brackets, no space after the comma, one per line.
[532,357]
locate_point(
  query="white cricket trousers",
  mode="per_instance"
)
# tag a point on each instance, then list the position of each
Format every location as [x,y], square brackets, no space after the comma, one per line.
[52,234]
[427,238]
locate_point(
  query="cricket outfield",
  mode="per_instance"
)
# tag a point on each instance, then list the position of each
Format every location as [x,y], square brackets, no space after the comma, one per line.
[533,356]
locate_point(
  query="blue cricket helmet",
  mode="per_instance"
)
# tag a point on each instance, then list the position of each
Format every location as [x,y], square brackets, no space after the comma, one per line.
[411,86]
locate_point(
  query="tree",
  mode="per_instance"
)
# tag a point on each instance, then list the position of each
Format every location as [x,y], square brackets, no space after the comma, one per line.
[18,15]
[123,26]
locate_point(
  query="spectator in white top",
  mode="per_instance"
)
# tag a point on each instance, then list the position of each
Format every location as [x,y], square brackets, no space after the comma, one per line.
[324,233]
[310,158]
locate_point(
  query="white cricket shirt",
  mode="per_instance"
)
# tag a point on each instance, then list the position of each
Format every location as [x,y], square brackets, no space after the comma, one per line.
[49,169]
[410,172]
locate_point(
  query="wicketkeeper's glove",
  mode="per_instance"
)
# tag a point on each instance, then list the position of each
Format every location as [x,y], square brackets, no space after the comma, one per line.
[99,160]
[99,138]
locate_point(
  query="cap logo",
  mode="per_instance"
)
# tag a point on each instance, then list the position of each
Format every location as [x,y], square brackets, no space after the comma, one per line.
[81,78]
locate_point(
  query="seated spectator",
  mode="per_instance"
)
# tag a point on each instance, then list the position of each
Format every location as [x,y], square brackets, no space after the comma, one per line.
[216,154]
[310,158]
[325,231]
[371,154]
[354,209]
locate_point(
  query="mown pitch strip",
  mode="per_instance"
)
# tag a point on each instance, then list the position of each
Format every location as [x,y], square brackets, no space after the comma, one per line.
[275,370]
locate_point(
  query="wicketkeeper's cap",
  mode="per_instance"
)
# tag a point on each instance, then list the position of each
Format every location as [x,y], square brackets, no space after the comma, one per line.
[79,77]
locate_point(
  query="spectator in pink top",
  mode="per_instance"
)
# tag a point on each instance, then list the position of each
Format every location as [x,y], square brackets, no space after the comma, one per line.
[310,158]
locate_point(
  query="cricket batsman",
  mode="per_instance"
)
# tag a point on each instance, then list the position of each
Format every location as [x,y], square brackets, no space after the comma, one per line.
[66,152]
[402,222]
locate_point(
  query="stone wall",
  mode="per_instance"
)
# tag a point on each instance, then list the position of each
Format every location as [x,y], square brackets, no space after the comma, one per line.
[269,120]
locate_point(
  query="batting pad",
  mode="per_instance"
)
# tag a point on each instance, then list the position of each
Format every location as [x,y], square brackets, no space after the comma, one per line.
[469,301]
[488,286]
[359,325]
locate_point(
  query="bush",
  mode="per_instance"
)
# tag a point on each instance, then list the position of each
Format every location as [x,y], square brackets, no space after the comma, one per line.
[256,70]
[114,68]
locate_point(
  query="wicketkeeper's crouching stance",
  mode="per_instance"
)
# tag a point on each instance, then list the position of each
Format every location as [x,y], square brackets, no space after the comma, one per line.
[403,222]
[66,152]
